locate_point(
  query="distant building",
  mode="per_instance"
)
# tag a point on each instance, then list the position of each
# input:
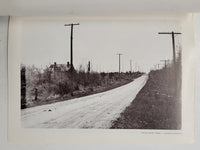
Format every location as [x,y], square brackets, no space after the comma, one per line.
[58,70]
[59,67]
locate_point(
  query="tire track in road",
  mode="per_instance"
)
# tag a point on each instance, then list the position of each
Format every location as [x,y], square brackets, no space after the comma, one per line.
[94,111]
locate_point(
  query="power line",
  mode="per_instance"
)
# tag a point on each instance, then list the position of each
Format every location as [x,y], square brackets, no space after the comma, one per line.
[119,61]
[166,61]
[71,44]
[173,43]
[174,54]
[130,65]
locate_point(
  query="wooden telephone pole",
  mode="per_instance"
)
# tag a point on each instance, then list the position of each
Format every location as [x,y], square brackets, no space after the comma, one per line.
[131,66]
[158,66]
[166,61]
[71,44]
[119,61]
[88,67]
[174,56]
[173,43]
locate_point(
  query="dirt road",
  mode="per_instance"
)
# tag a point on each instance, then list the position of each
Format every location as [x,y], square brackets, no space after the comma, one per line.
[94,111]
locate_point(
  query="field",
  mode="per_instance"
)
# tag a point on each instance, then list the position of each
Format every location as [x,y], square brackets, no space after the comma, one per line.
[157,105]
[55,84]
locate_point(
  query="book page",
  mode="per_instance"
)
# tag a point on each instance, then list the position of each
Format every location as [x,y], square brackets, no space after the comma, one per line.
[101,80]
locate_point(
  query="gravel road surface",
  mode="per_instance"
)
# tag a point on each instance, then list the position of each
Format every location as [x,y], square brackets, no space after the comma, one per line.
[93,111]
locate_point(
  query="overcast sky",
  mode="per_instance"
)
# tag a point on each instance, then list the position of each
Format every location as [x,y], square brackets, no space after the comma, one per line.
[45,41]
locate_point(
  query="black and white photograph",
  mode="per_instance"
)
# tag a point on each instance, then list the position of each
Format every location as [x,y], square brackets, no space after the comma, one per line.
[100,73]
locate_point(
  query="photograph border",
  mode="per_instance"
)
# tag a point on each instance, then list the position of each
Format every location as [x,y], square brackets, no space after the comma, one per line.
[186,135]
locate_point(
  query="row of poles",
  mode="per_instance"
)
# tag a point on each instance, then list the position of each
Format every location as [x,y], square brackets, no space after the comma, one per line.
[23,79]
[137,68]
[119,54]
[166,61]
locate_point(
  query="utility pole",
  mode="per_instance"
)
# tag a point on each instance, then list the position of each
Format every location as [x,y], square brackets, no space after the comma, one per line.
[130,65]
[158,66]
[89,67]
[71,44]
[119,61]
[174,55]
[173,43]
[166,62]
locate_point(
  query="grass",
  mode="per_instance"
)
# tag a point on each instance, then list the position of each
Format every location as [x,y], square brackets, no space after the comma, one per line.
[50,86]
[157,106]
